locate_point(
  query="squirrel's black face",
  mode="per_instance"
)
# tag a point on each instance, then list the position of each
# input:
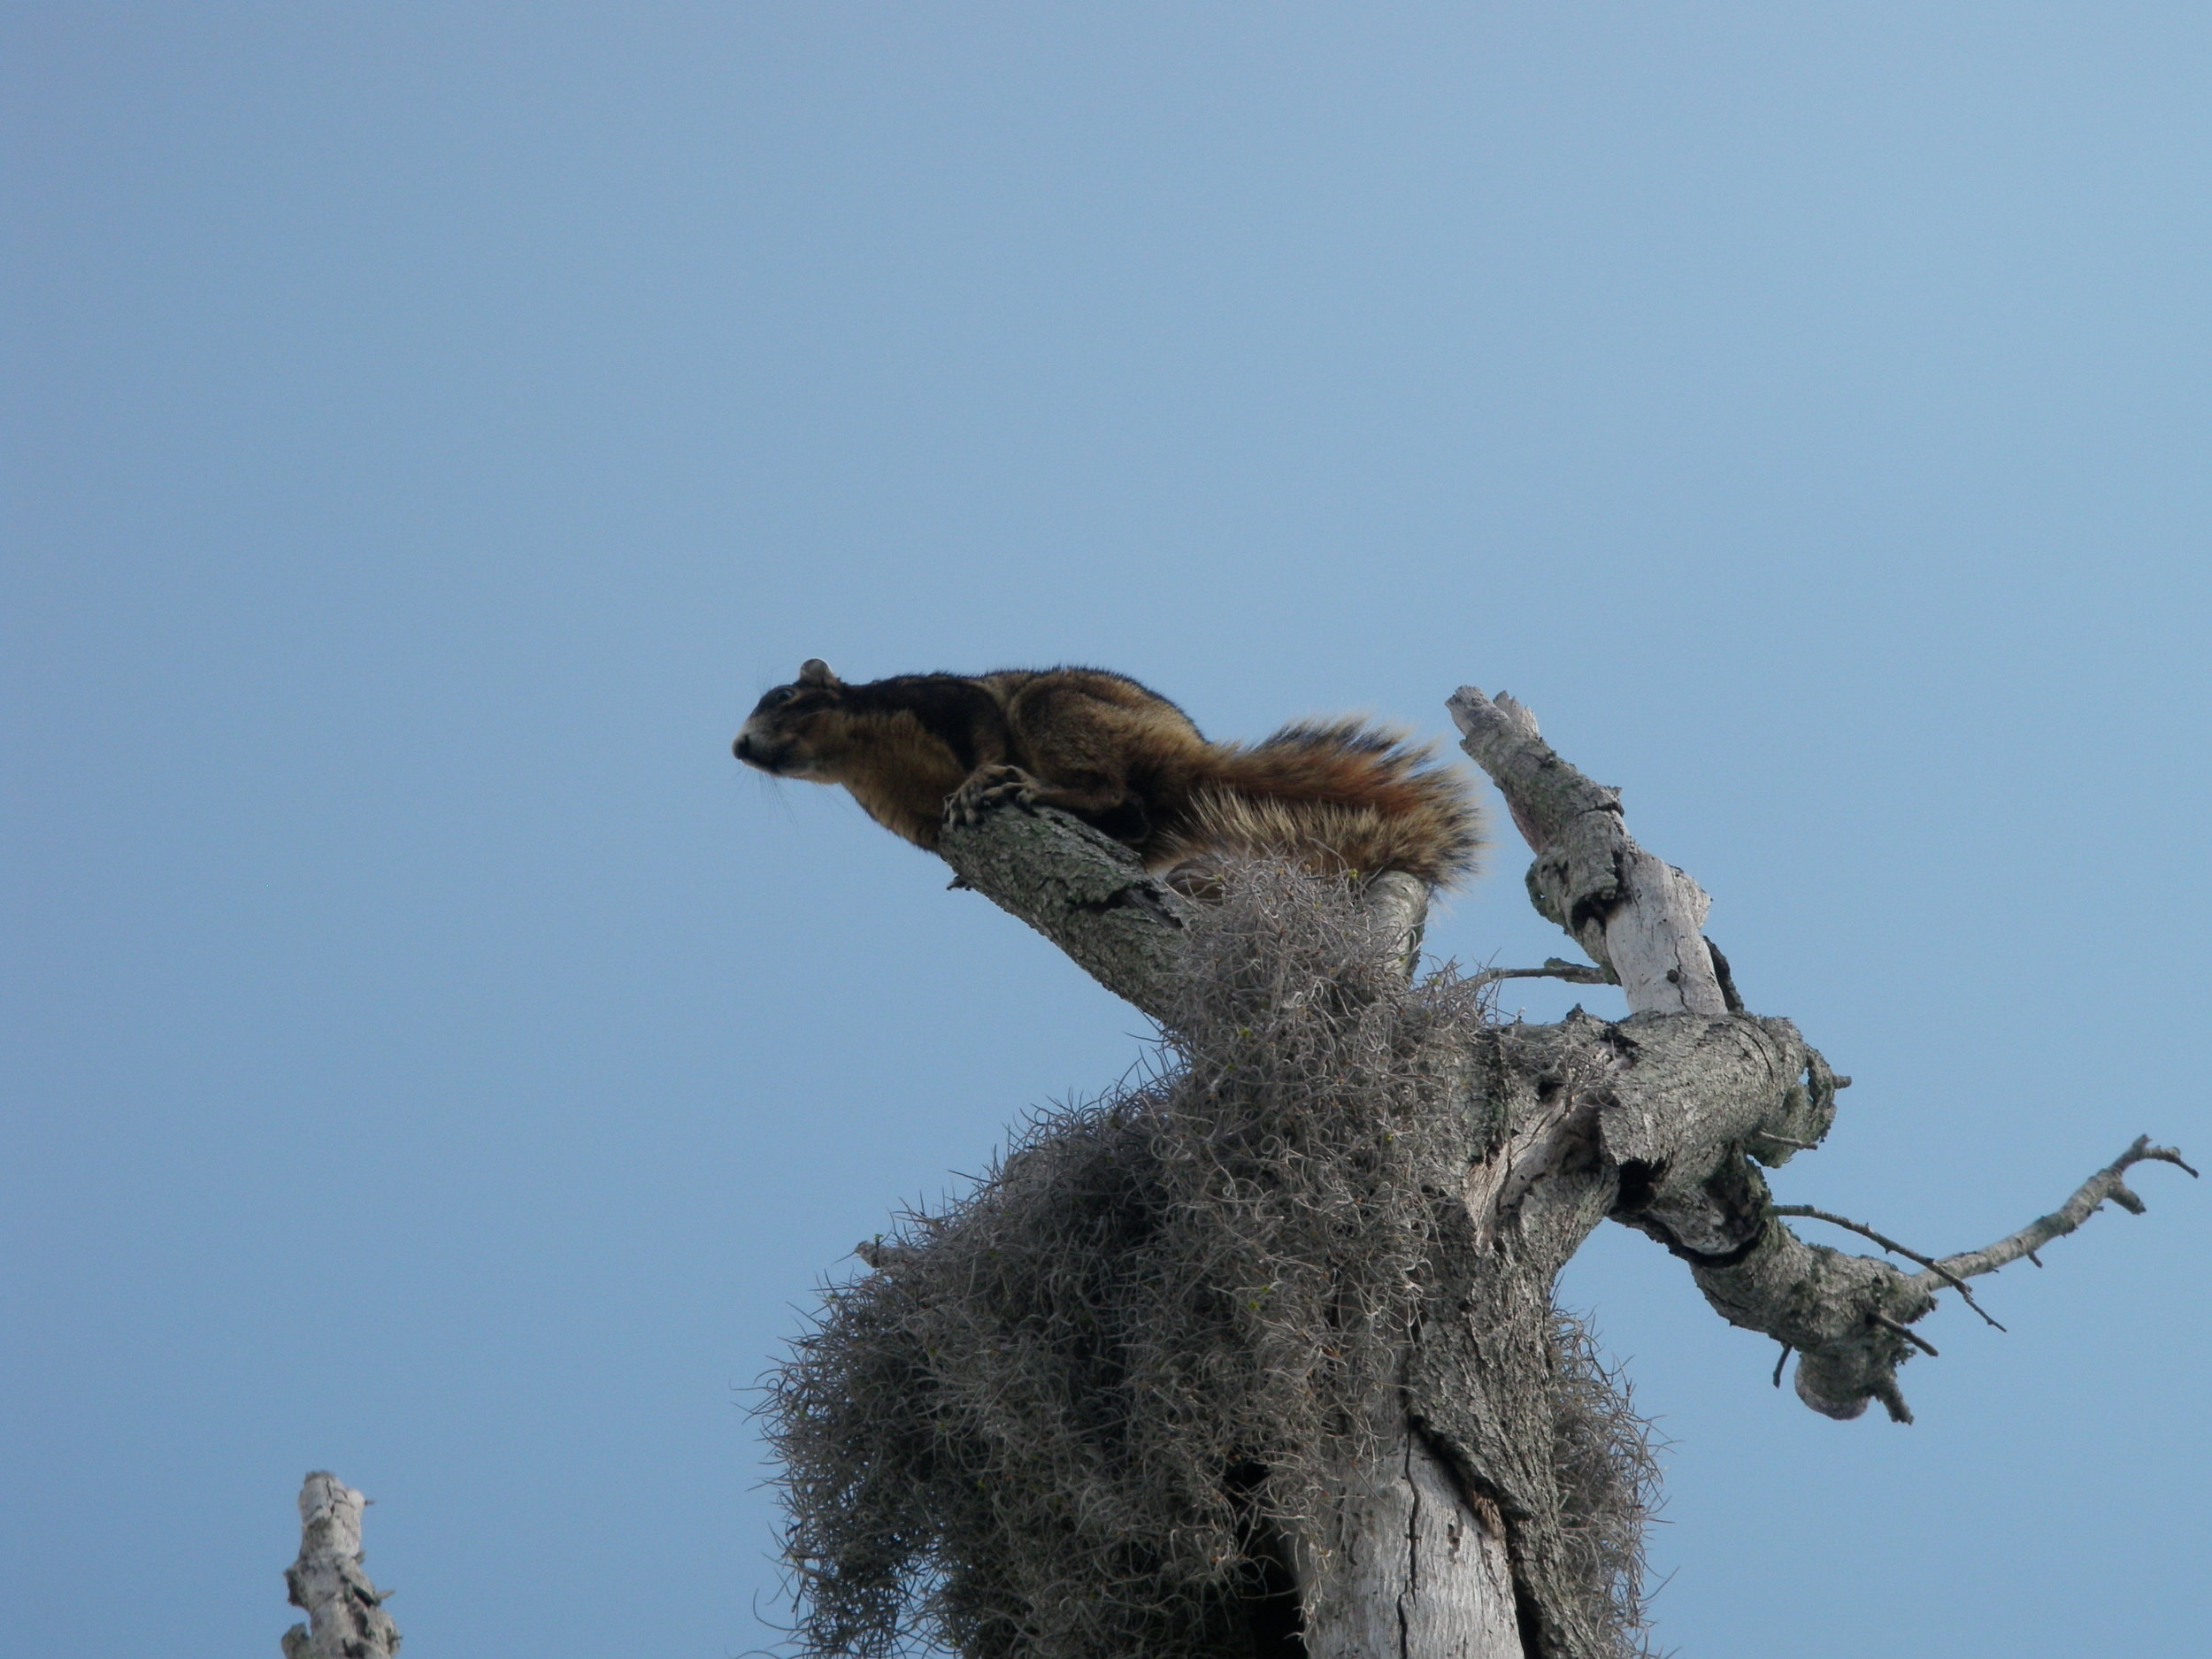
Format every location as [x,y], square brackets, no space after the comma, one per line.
[783,735]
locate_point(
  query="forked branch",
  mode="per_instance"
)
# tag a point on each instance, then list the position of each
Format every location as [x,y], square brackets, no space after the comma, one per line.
[1847,1317]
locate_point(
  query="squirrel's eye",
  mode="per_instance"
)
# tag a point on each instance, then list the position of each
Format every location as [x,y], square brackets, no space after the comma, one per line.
[783,695]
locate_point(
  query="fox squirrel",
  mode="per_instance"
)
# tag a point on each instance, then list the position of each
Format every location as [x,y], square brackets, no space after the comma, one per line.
[919,751]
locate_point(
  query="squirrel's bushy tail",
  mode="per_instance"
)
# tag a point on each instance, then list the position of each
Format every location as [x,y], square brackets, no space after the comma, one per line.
[1340,796]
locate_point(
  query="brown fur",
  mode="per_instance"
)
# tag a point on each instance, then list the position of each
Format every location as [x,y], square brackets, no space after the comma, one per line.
[922,749]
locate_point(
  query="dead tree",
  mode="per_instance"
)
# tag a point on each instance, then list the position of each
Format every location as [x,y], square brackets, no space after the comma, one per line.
[1436,1500]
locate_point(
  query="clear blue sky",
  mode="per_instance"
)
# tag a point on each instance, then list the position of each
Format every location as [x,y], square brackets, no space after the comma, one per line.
[430,426]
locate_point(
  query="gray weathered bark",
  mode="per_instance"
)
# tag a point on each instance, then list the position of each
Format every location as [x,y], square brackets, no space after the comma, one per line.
[1083,891]
[1637,916]
[1452,1540]
[345,1612]
[1408,1566]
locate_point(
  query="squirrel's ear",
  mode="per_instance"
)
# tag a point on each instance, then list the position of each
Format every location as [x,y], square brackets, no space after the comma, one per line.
[815,671]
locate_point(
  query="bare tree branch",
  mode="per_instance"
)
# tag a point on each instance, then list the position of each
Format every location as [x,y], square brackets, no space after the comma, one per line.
[1861,1228]
[1082,890]
[1090,896]
[1910,1335]
[2107,1183]
[1843,1314]
[1847,1317]
[1554,968]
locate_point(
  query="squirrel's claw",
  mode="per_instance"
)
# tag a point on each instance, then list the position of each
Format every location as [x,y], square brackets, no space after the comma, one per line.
[991,788]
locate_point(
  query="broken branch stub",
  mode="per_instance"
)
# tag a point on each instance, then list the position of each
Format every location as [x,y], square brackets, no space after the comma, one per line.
[1635,913]
[345,1612]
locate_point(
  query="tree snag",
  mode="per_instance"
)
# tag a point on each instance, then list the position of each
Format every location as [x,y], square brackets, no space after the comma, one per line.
[345,1612]
[1258,1355]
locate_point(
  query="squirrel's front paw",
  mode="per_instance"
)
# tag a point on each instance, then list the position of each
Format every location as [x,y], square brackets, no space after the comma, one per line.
[991,786]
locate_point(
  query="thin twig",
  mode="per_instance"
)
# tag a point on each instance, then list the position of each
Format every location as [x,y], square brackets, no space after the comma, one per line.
[2105,1184]
[1554,968]
[1928,1262]
[1910,1335]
